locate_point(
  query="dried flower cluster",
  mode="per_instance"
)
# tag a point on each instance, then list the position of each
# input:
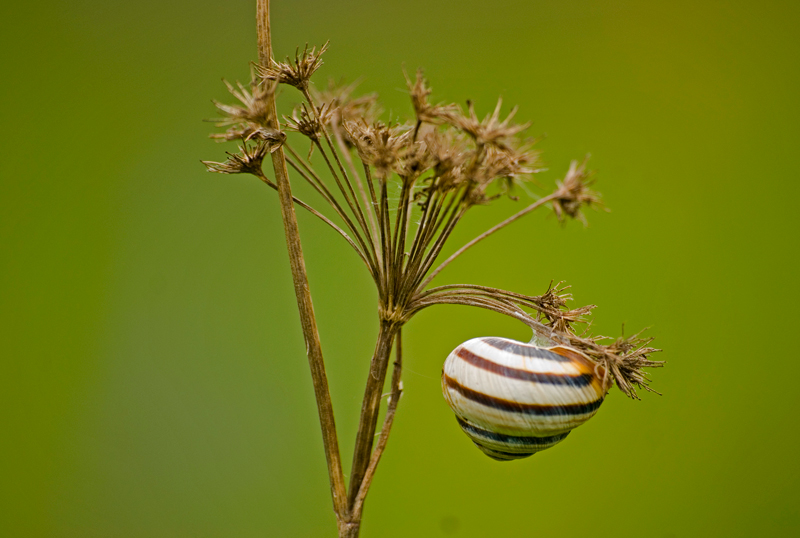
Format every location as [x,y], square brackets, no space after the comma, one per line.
[437,167]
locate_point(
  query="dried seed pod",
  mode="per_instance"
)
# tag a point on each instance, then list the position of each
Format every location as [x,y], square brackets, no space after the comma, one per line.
[515,399]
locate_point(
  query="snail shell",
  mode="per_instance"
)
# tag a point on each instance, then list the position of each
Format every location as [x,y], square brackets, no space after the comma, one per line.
[514,399]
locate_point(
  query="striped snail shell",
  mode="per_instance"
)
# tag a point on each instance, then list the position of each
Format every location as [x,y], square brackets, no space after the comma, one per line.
[514,399]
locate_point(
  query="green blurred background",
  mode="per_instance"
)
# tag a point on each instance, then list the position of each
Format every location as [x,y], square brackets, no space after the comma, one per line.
[154,382]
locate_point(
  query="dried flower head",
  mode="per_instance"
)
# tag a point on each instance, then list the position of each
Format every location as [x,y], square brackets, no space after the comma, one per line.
[297,74]
[309,124]
[552,307]
[573,193]
[343,107]
[624,359]
[249,117]
[503,167]
[449,152]
[378,145]
[490,131]
[247,161]
[445,162]
[425,112]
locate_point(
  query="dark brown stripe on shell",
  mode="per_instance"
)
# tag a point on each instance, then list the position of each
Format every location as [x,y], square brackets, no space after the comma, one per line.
[503,456]
[524,350]
[521,441]
[575,380]
[516,407]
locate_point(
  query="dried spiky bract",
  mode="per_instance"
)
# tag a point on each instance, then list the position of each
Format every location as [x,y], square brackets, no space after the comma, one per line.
[378,145]
[252,118]
[247,161]
[425,112]
[344,107]
[305,122]
[490,130]
[297,74]
[624,359]
[573,193]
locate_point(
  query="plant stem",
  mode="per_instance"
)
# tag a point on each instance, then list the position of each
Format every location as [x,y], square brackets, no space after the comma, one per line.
[538,203]
[370,407]
[391,408]
[304,305]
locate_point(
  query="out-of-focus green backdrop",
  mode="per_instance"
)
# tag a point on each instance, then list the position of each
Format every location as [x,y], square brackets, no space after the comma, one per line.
[154,382]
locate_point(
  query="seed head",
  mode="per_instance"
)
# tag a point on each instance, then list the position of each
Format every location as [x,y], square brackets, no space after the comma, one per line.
[425,112]
[573,193]
[343,107]
[378,145]
[247,161]
[490,131]
[297,74]
[249,117]
[448,151]
[625,359]
[305,122]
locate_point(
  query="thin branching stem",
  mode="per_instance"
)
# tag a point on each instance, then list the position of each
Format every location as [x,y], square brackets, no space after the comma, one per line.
[459,288]
[394,398]
[454,217]
[486,234]
[300,165]
[320,187]
[371,187]
[401,224]
[356,176]
[323,218]
[426,231]
[497,305]
[386,234]
[314,180]
[335,154]
[370,407]
[453,210]
[421,227]
[352,203]
[310,100]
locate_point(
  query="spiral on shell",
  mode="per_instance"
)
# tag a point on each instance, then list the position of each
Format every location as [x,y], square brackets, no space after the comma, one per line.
[515,399]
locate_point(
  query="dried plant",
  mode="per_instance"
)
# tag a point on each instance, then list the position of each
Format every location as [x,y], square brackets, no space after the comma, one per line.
[397,192]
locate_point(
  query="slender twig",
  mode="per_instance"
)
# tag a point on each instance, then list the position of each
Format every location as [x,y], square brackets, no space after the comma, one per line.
[322,217]
[486,234]
[370,407]
[377,211]
[452,213]
[302,168]
[391,408]
[353,204]
[452,219]
[320,187]
[346,154]
[371,186]
[401,224]
[306,308]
